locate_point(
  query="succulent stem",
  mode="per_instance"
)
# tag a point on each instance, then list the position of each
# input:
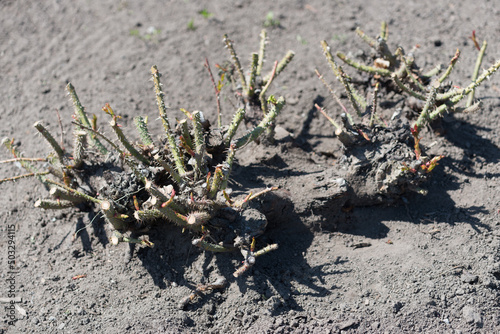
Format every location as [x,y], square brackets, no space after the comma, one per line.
[265,250]
[262,50]
[253,73]
[453,61]
[24,176]
[63,194]
[121,137]
[262,95]
[233,127]
[211,247]
[217,89]
[281,66]
[81,116]
[263,125]
[50,139]
[199,141]
[49,204]
[78,147]
[142,128]
[384,31]
[429,103]
[236,61]
[74,192]
[112,216]
[216,183]
[166,125]
[374,104]
[9,144]
[479,61]
[365,68]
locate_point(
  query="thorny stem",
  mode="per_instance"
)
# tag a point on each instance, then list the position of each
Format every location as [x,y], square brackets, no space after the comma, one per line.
[335,97]
[63,194]
[23,159]
[238,117]
[219,284]
[185,132]
[78,147]
[253,73]
[281,65]
[147,215]
[405,88]
[176,218]
[217,93]
[142,128]
[374,104]
[50,139]
[111,215]
[262,96]
[208,246]
[163,114]
[407,61]
[49,204]
[198,217]
[262,50]
[435,71]
[74,191]
[329,58]
[109,141]
[367,39]
[15,178]
[266,250]
[357,101]
[486,74]
[431,100]
[226,169]
[450,67]
[250,259]
[321,110]
[199,141]
[82,117]
[268,119]
[170,170]
[384,31]
[365,68]
[236,61]
[121,137]
[479,61]
[8,143]
[378,45]
[260,193]
[342,77]
[118,237]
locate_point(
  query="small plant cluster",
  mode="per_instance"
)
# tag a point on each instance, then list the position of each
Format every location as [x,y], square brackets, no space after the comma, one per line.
[392,160]
[253,88]
[182,178]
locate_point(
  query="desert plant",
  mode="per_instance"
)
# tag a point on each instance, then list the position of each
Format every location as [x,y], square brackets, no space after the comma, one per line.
[181,179]
[384,157]
[253,88]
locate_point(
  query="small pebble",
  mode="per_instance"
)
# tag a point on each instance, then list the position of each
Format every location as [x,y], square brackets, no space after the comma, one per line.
[469,278]
[471,315]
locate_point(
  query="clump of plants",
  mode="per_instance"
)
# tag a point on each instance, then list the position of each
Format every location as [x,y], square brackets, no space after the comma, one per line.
[252,89]
[383,155]
[181,179]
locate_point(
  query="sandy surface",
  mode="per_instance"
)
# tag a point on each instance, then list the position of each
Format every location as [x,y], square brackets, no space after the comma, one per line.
[440,272]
